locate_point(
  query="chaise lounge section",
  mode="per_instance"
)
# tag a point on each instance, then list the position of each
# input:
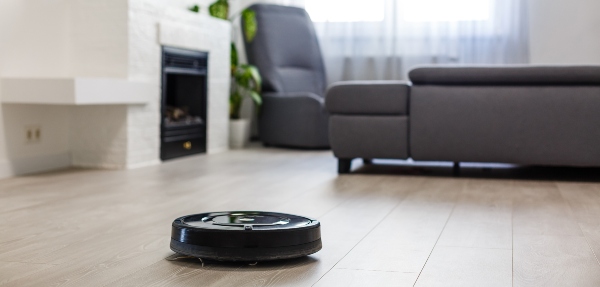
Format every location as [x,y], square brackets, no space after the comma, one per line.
[368,120]
[530,115]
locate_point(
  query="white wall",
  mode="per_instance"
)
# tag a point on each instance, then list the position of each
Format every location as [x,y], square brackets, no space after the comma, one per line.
[35,38]
[99,38]
[34,42]
[564,31]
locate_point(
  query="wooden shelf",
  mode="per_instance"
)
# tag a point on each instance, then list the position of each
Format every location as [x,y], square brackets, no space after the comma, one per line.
[76,91]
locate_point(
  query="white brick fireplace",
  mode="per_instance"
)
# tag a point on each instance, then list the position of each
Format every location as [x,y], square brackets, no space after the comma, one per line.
[110,76]
[156,23]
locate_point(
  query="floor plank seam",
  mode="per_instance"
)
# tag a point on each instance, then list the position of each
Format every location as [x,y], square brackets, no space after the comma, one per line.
[373,270]
[183,266]
[331,209]
[474,247]
[436,242]
[587,240]
[512,241]
[371,230]
[33,263]
[131,273]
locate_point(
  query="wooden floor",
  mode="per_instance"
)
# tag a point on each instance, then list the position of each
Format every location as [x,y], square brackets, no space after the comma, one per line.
[381,226]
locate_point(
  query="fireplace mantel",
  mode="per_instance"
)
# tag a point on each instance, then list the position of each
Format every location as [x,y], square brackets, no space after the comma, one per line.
[76,91]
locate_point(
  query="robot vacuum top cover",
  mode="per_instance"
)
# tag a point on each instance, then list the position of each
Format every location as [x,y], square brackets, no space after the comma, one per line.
[245,236]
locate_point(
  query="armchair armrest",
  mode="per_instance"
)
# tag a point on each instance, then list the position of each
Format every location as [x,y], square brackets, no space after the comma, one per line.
[368,98]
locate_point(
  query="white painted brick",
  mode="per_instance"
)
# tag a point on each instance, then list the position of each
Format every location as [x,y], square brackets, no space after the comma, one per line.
[98,136]
[162,22]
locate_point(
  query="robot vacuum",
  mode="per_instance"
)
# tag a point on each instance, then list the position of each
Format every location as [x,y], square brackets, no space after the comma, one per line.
[245,236]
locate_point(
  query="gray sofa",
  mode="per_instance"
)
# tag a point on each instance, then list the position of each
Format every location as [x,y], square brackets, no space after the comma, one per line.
[530,115]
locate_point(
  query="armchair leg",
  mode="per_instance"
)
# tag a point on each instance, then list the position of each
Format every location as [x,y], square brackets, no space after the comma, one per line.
[344,165]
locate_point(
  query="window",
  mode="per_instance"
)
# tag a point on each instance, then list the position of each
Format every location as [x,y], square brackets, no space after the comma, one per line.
[346,10]
[446,10]
[408,10]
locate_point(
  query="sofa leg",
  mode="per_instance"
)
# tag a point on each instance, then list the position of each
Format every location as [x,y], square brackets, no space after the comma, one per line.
[367,161]
[456,169]
[344,165]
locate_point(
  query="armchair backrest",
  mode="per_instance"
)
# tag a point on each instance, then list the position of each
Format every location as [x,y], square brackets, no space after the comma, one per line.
[286,50]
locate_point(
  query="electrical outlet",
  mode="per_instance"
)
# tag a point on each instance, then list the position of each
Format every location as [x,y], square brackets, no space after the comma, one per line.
[33,134]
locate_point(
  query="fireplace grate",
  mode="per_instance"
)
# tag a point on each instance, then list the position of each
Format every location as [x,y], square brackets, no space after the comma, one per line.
[185,62]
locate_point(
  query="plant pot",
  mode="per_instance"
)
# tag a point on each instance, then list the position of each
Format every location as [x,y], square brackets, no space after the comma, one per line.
[239,133]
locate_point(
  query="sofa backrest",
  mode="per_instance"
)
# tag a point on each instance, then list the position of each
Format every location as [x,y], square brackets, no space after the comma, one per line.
[506,75]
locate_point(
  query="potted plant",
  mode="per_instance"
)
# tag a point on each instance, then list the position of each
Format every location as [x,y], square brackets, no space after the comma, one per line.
[246,83]
[245,79]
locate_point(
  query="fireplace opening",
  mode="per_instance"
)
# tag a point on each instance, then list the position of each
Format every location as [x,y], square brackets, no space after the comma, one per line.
[183,105]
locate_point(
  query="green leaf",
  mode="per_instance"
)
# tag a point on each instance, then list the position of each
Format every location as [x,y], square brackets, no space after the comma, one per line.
[235,105]
[250,25]
[234,58]
[194,8]
[256,98]
[234,55]
[244,78]
[254,75]
[219,9]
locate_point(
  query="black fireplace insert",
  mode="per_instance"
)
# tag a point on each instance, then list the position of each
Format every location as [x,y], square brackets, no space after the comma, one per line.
[183,104]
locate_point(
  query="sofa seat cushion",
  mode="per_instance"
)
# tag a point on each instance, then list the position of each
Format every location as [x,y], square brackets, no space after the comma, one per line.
[368,98]
[506,75]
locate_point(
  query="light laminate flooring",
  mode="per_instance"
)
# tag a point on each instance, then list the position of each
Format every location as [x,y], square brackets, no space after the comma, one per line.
[383,225]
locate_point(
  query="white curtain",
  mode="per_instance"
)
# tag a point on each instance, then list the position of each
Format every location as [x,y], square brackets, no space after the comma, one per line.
[384,39]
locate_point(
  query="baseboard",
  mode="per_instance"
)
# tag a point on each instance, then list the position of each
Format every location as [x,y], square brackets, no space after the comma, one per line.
[95,165]
[5,169]
[114,166]
[217,150]
[35,164]
[143,164]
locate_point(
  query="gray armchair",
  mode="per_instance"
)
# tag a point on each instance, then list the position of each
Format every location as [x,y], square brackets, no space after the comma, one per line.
[287,54]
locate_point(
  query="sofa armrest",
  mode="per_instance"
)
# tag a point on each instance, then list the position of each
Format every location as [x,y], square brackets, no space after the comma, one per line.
[368,98]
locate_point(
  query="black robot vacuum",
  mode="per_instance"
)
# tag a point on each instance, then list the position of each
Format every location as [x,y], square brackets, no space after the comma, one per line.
[245,236]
